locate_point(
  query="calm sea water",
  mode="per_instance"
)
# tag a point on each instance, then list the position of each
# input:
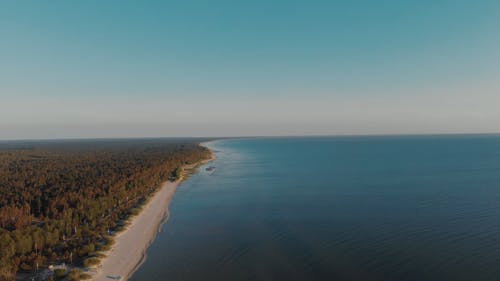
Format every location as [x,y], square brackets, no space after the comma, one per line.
[345,208]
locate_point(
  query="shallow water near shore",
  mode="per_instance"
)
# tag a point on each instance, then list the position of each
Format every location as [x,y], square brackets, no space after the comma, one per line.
[336,208]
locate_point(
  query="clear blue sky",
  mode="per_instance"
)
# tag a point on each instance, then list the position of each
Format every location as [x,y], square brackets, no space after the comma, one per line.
[205,68]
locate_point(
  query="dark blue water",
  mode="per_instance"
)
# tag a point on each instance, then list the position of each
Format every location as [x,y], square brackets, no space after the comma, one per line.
[345,208]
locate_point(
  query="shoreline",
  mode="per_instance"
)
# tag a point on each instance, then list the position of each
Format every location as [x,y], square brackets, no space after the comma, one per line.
[129,251]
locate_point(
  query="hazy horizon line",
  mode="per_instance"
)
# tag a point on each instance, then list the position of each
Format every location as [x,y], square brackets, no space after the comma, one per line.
[212,138]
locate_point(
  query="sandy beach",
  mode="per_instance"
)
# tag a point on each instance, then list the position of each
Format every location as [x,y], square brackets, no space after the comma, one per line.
[131,244]
[129,249]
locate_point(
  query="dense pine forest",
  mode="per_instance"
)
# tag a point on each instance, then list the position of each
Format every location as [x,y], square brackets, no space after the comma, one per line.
[60,202]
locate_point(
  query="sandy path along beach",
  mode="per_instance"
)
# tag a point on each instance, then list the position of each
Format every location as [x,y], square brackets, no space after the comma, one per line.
[131,244]
[129,249]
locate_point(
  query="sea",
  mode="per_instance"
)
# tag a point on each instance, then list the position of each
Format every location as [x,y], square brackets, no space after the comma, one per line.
[364,208]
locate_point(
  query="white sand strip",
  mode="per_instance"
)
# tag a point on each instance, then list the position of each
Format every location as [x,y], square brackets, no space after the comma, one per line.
[129,249]
[131,244]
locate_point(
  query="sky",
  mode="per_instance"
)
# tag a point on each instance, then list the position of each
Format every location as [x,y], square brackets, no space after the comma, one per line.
[87,69]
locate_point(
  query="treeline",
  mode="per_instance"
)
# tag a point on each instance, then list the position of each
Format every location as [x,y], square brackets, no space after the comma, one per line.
[59,202]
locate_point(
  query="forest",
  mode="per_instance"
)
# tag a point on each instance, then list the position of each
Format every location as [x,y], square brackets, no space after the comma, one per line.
[61,201]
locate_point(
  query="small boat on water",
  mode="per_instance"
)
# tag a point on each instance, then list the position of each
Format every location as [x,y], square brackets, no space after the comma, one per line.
[210,169]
